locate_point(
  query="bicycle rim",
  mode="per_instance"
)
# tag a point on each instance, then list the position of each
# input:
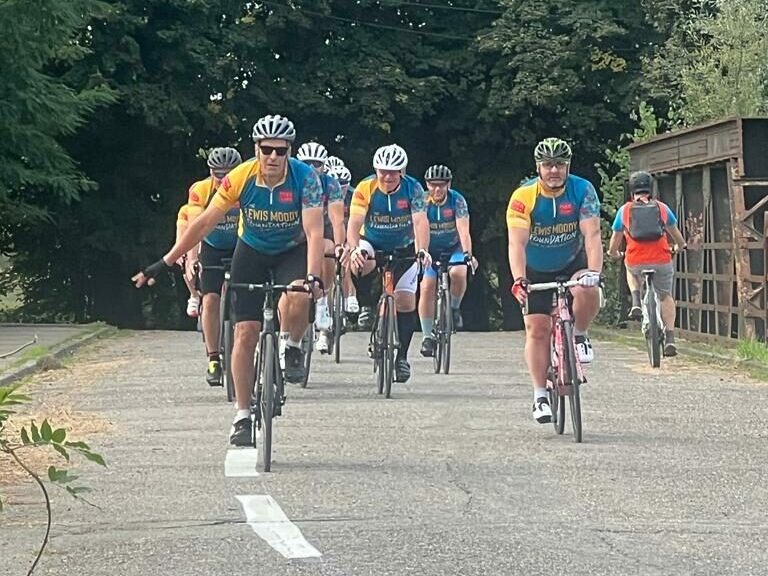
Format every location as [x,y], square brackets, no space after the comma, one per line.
[653,336]
[389,349]
[267,404]
[572,377]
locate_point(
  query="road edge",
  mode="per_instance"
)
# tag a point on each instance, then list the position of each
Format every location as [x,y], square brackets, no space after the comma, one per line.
[56,351]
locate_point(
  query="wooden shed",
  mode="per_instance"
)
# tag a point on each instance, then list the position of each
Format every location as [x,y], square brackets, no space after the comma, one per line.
[715,177]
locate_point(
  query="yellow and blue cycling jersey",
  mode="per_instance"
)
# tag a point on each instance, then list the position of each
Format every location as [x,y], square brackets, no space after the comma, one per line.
[331,193]
[270,218]
[555,239]
[443,234]
[224,236]
[388,223]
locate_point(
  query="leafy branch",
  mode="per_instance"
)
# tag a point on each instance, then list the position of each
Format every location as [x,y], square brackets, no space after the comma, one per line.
[37,437]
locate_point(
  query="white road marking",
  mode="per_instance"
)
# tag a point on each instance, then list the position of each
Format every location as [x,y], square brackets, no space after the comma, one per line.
[271,524]
[241,463]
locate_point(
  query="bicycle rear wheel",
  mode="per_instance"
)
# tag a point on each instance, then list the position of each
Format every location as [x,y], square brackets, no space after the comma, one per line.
[572,378]
[653,335]
[267,400]
[338,320]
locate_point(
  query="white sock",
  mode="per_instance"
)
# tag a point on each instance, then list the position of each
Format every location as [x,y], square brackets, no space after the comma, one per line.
[540,393]
[284,335]
[292,342]
[241,415]
[577,332]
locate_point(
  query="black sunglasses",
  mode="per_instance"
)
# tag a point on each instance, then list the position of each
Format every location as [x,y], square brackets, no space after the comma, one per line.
[279,150]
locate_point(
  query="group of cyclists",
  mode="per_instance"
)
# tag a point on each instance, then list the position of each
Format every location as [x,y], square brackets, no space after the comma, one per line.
[278,217]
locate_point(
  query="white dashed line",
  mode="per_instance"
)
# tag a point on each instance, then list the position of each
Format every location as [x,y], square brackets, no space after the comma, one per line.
[241,463]
[271,524]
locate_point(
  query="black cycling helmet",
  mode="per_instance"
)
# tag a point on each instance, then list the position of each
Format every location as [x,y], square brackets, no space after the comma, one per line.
[223,158]
[640,182]
[438,172]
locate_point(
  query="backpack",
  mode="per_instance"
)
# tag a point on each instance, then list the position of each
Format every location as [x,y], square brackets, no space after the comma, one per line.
[645,221]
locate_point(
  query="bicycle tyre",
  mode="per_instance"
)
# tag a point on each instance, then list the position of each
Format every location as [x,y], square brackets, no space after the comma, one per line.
[448,314]
[439,330]
[229,342]
[389,348]
[267,401]
[307,344]
[379,332]
[572,378]
[653,335]
[338,321]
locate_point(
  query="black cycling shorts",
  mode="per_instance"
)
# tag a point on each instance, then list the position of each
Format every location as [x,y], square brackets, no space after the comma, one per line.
[541,302]
[212,280]
[252,267]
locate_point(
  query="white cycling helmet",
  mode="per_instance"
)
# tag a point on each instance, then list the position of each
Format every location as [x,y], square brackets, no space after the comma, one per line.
[312,152]
[391,157]
[334,162]
[274,127]
[342,174]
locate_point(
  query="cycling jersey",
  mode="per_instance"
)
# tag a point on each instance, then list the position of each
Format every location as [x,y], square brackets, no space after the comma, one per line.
[182,218]
[388,223]
[331,193]
[553,221]
[270,220]
[443,234]
[224,236]
[648,251]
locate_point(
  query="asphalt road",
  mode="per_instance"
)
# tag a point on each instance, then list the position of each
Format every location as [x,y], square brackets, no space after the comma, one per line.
[451,476]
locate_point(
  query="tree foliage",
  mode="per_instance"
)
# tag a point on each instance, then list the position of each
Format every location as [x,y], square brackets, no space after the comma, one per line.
[470,83]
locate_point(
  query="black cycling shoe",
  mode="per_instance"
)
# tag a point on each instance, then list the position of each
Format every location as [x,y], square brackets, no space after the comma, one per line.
[242,433]
[294,364]
[428,346]
[213,374]
[402,370]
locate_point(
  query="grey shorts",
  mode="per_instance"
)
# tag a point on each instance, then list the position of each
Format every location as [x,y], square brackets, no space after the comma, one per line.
[663,279]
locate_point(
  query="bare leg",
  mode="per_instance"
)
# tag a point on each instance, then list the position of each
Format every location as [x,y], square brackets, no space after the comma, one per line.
[243,351]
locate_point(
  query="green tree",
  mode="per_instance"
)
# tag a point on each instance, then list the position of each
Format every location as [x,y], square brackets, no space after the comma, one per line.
[38,109]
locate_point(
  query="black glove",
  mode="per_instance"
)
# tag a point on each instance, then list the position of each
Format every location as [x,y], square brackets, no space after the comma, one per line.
[154,270]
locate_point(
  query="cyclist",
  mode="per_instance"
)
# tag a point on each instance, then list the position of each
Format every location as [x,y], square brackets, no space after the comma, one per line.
[280,232]
[220,243]
[644,223]
[193,303]
[344,176]
[315,155]
[389,208]
[448,216]
[553,224]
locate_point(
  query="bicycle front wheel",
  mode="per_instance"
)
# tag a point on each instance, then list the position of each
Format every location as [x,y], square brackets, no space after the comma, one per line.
[378,344]
[229,341]
[448,316]
[572,378]
[439,330]
[267,400]
[389,347]
[653,335]
[338,320]
[307,343]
